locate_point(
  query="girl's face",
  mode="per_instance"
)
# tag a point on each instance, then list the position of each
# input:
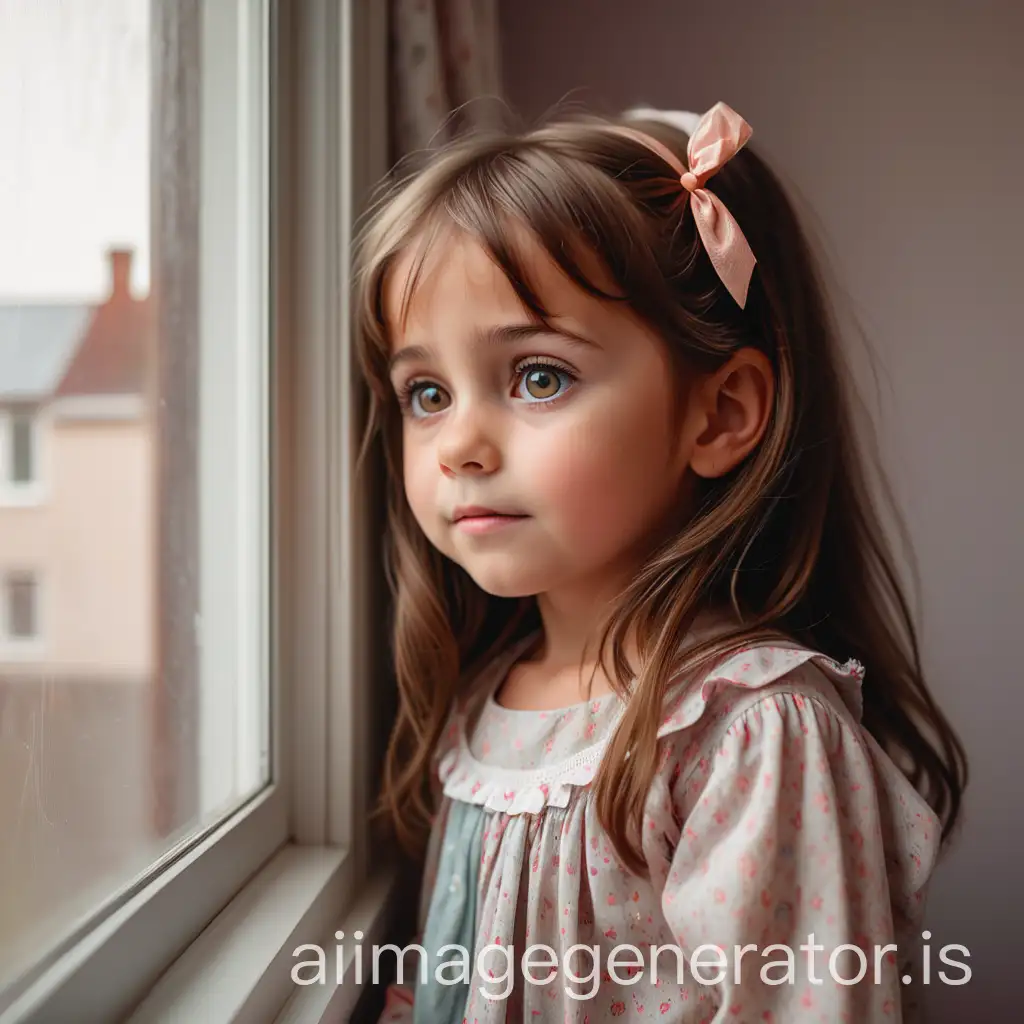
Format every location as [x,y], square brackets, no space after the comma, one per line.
[569,432]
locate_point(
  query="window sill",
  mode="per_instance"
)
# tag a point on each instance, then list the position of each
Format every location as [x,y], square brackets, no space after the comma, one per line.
[239,968]
[372,914]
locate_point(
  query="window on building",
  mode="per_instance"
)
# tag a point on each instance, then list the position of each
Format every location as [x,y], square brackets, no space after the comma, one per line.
[21,612]
[22,451]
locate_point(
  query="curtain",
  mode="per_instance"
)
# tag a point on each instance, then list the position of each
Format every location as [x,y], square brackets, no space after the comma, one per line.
[445,71]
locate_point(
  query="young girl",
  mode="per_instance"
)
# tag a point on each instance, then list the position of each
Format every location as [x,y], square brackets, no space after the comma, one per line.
[661,702]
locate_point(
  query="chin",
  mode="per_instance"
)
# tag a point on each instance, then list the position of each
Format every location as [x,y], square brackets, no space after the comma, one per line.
[504,581]
[498,587]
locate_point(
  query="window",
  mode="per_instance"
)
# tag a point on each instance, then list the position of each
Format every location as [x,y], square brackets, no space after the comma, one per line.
[22,629]
[20,436]
[22,449]
[22,615]
[145,725]
[195,733]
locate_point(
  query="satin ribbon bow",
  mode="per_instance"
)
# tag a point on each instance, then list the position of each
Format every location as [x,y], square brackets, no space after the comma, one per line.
[719,135]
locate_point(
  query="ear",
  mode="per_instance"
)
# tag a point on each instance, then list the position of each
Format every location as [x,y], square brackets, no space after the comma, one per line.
[733,405]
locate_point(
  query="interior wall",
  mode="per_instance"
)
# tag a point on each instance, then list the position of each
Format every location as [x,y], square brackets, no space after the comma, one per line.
[899,126]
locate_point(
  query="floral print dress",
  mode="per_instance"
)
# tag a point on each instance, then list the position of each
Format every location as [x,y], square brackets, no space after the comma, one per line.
[774,818]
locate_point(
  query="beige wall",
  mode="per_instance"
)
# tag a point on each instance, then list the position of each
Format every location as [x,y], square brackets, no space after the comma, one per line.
[901,123]
[90,542]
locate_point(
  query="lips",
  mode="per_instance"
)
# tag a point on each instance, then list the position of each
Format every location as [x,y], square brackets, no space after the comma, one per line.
[483,512]
[481,522]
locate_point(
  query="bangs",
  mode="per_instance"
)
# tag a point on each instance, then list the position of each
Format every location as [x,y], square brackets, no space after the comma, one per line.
[513,202]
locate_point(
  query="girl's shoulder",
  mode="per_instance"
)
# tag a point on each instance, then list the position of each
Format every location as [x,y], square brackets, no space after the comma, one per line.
[567,750]
[760,673]
[793,715]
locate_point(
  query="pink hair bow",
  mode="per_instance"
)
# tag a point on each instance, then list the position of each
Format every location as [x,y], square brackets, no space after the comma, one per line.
[720,134]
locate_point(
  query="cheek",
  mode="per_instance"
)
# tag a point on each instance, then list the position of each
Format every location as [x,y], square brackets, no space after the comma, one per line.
[609,475]
[420,480]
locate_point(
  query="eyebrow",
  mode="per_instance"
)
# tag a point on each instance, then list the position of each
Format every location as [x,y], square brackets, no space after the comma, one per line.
[501,334]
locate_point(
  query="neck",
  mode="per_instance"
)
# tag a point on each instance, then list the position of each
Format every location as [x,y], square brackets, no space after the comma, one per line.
[573,618]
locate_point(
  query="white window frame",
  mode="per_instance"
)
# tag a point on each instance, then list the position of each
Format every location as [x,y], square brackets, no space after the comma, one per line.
[212,936]
[30,492]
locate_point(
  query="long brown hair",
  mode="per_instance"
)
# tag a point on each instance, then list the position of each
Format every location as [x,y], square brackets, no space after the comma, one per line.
[789,542]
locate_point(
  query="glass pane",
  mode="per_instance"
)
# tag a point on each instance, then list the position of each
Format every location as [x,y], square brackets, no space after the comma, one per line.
[134,702]
[22,461]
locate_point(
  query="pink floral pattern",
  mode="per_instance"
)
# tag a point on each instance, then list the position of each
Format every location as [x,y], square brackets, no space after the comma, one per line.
[773,816]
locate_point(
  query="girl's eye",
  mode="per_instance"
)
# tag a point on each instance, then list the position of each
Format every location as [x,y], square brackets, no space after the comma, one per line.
[429,398]
[543,381]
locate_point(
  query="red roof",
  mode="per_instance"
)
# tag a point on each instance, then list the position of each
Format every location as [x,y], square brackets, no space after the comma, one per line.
[112,355]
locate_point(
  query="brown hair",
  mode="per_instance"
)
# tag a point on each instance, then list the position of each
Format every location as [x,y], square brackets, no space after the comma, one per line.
[789,542]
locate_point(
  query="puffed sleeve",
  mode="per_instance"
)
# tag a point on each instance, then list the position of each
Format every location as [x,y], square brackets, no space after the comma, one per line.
[780,846]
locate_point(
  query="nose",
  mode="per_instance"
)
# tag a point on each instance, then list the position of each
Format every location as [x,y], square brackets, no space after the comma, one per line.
[467,444]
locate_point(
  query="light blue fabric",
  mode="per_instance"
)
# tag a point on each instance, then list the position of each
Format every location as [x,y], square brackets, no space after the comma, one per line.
[451,919]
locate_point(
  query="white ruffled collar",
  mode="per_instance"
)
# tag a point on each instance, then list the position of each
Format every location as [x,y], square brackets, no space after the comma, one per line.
[494,776]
